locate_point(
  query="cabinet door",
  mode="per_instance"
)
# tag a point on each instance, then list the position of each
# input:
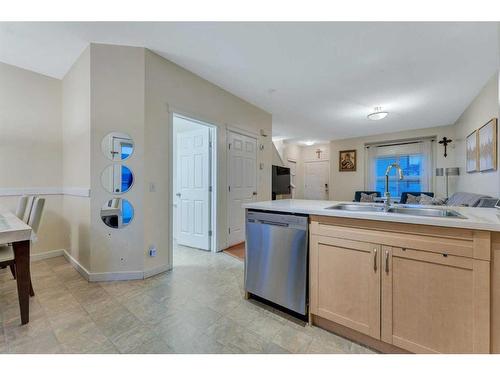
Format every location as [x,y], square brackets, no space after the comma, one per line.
[345,283]
[434,303]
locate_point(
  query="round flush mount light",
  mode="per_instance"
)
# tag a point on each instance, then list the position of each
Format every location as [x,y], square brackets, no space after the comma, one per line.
[308,143]
[378,114]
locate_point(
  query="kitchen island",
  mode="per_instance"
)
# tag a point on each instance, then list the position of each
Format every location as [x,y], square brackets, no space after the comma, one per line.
[403,283]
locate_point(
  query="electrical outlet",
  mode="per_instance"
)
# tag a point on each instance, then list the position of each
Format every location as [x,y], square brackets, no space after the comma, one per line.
[152,251]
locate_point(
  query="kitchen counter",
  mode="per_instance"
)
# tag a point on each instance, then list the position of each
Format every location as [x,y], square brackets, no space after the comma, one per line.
[476,218]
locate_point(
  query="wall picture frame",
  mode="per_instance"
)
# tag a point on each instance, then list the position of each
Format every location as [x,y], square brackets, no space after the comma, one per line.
[347,161]
[487,144]
[471,152]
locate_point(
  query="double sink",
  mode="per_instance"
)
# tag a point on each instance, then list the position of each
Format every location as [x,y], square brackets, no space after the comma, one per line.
[415,211]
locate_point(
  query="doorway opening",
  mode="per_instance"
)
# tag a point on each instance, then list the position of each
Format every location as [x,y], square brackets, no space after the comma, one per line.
[194,185]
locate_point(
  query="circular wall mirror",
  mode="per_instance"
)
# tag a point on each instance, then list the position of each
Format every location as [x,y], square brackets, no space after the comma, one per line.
[117,179]
[117,146]
[117,213]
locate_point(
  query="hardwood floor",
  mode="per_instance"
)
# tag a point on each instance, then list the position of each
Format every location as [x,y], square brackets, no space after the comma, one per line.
[237,251]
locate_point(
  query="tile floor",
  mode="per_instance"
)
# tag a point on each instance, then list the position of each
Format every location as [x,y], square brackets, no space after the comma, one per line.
[198,307]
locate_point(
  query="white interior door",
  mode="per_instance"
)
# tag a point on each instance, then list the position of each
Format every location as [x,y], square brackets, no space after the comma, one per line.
[242,178]
[193,191]
[316,179]
[119,146]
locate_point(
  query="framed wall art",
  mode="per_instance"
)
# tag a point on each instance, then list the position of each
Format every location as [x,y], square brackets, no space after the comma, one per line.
[487,143]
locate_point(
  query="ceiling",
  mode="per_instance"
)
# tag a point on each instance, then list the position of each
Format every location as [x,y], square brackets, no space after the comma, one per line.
[319,80]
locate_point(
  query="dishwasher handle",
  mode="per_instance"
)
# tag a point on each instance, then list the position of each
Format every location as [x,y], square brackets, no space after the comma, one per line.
[276,223]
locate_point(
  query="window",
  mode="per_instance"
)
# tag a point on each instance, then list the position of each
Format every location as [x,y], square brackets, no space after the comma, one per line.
[415,160]
[411,166]
[126,150]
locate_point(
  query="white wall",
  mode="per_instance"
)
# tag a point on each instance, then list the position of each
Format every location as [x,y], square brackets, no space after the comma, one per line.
[482,109]
[76,157]
[169,89]
[31,147]
[344,184]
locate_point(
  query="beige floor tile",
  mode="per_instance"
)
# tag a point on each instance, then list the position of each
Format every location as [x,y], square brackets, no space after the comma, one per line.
[196,344]
[115,321]
[265,327]
[154,346]
[126,341]
[81,336]
[230,333]
[46,344]
[293,340]
[196,308]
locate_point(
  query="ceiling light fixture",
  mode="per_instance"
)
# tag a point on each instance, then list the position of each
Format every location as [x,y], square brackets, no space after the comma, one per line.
[378,114]
[309,143]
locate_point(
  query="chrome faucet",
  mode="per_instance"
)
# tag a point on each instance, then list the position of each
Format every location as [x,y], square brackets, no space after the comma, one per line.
[387,203]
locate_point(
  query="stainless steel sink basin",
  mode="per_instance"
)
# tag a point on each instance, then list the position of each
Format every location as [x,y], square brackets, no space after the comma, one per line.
[431,212]
[357,207]
[415,211]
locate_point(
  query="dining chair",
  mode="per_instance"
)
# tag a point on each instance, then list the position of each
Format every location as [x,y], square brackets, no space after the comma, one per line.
[22,203]
[7,252]
[29,208]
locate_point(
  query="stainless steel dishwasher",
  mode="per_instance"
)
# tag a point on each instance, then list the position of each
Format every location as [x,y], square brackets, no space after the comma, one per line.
[276,258]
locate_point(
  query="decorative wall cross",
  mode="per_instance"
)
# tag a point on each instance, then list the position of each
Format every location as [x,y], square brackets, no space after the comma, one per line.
[445,142]
[319,151]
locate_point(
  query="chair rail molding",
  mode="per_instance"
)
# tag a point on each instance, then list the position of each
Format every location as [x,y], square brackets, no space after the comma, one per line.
[72,191]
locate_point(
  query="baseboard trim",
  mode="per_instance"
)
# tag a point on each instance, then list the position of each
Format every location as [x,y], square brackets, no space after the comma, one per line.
[46,255]
[157,270]
[100,276]
[116,276]
[76,265]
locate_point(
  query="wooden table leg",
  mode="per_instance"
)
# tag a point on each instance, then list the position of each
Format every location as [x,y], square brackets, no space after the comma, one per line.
[22,259]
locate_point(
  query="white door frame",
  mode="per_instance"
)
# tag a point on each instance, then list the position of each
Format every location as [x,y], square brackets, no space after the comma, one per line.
[213,173]
[245,133]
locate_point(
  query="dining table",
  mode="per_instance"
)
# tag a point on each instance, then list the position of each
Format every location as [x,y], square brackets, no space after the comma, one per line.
[15,232]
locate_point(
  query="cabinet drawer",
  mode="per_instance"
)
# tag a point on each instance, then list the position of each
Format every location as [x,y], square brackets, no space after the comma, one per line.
[477,245]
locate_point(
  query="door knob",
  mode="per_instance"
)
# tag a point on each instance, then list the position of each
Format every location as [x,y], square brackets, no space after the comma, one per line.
[254,193]
[178,194]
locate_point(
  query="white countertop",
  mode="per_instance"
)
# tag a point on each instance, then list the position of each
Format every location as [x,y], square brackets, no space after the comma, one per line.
[12,229]
[476,218]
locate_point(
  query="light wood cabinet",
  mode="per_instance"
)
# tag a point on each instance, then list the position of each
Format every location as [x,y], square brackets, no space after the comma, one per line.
[347,283]
[420,292]
[432,303]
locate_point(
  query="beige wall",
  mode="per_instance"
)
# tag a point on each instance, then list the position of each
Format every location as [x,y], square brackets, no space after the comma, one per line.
[303,154]
[293,152]
[482,109]
[169,89]
[76,157]
[344,184]
[117,104]
[30,147]
[276,156]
